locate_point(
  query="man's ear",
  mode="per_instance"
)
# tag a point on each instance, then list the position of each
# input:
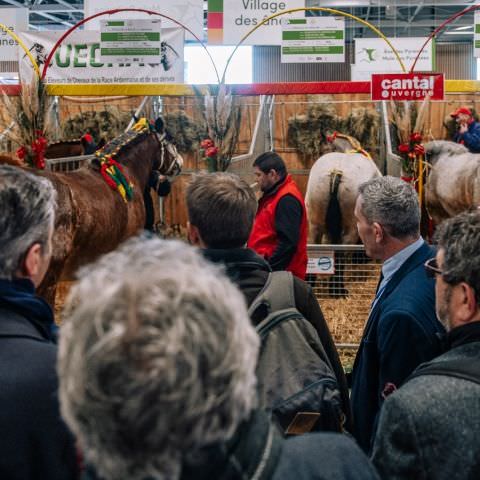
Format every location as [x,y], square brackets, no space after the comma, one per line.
[194,236]
[379,232]
[32,262]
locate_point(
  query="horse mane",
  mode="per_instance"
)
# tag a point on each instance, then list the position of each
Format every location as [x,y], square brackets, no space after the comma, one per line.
[439,147]
[119,144]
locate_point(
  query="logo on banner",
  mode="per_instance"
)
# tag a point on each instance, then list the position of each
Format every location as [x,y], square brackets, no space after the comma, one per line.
[408,86]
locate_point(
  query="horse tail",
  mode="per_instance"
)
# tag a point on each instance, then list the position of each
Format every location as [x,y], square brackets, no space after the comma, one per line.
[333,217]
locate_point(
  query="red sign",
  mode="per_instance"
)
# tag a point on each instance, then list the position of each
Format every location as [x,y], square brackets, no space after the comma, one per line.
[407,86]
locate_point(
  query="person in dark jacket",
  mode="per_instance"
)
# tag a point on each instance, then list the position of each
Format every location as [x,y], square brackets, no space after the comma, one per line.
[402,329]
[279,233]
[221,210]
[430,427]
[34,443]
[468,130]
[157,377]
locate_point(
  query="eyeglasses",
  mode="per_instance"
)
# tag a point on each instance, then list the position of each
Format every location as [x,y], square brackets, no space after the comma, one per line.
[431,268]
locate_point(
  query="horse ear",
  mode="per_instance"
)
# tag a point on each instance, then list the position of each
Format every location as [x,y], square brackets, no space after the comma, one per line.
[159,125]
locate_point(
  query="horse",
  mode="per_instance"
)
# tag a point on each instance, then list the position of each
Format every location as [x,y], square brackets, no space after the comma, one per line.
[332,190]
[453,183]
[92,218]
[72,148]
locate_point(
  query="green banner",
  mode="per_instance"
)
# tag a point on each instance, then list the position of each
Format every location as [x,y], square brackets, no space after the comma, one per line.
[130,36]
[312,35]
[129,51]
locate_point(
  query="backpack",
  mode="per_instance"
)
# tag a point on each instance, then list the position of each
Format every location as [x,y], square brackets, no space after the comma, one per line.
[296,382]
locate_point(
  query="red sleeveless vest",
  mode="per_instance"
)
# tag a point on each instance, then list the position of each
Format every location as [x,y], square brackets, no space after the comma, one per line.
[263,238]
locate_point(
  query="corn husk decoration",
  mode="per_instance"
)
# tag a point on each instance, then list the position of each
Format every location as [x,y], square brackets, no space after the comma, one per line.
[34,123]
[222,117]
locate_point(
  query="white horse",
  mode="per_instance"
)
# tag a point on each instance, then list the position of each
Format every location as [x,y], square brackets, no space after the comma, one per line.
[332,190]
[453,184]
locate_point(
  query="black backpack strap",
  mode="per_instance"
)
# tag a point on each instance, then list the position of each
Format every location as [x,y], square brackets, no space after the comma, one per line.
[277,294]
[465,369]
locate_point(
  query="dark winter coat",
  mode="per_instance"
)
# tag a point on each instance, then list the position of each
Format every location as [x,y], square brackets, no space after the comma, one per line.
[402,331]
[249,272]
[430,428]
[34,441]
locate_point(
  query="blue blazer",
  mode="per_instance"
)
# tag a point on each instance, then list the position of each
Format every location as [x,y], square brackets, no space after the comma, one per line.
[402,331]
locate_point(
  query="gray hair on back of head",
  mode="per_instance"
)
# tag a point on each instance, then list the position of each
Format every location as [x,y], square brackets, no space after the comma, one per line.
[393,203]
[27,214]
[157,359]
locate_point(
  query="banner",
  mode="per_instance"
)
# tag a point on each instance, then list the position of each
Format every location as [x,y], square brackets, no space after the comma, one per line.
[187,12]
[230,20]
[373,55]
[408,86]
[317,39]
[15,19]
[77,60]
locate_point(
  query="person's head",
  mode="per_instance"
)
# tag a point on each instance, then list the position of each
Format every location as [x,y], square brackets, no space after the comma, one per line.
[221,209]
[388,216]
[269,168]
[156,361]
[462,115]
[27,213]
[456,268]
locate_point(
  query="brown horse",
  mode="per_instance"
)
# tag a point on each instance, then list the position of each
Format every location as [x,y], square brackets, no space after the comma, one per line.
[453,184]
[92,218]
[72,148]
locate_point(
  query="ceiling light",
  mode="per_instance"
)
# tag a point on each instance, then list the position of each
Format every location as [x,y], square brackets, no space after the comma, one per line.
[465,27]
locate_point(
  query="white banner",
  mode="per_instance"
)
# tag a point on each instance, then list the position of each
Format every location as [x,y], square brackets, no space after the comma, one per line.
[135,40]
[373,55]
[187,12]
[240,16]
[313,39]
[15,19]
[476,38]
[77,60]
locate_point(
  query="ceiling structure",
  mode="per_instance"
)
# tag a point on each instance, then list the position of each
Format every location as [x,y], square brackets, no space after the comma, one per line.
[395,18]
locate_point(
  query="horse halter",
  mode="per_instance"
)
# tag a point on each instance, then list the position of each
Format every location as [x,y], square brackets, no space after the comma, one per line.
[165,146]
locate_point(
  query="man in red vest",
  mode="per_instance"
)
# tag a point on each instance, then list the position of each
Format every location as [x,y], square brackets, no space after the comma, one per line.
[279,233]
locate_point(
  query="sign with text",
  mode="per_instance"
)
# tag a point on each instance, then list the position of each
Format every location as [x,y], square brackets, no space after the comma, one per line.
[230,20]
[16,19]
[408,86]
[373,55]
[476,38]
[186,12]
[313,39]
[323,263]
[78,60]
[130,41]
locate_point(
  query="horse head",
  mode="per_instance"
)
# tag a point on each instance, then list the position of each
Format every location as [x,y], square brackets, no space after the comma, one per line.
[437,148]
[170,162]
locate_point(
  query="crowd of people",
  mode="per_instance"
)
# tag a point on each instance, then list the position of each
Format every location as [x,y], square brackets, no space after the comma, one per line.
[158,370]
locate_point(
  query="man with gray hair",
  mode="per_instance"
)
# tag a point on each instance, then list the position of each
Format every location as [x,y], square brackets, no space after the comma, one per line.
[430,427]
[402,330]
[35,443]
[157,376]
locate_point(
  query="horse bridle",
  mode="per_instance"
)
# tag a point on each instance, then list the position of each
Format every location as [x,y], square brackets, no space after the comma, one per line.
[174,168]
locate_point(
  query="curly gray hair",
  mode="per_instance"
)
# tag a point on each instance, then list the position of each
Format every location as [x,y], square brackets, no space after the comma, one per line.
[393,203]
[157,359]
[27,213]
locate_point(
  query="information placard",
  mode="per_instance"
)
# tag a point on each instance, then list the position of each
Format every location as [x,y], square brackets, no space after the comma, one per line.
[323,263]
[476,38]
[317,39]
[130,41]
